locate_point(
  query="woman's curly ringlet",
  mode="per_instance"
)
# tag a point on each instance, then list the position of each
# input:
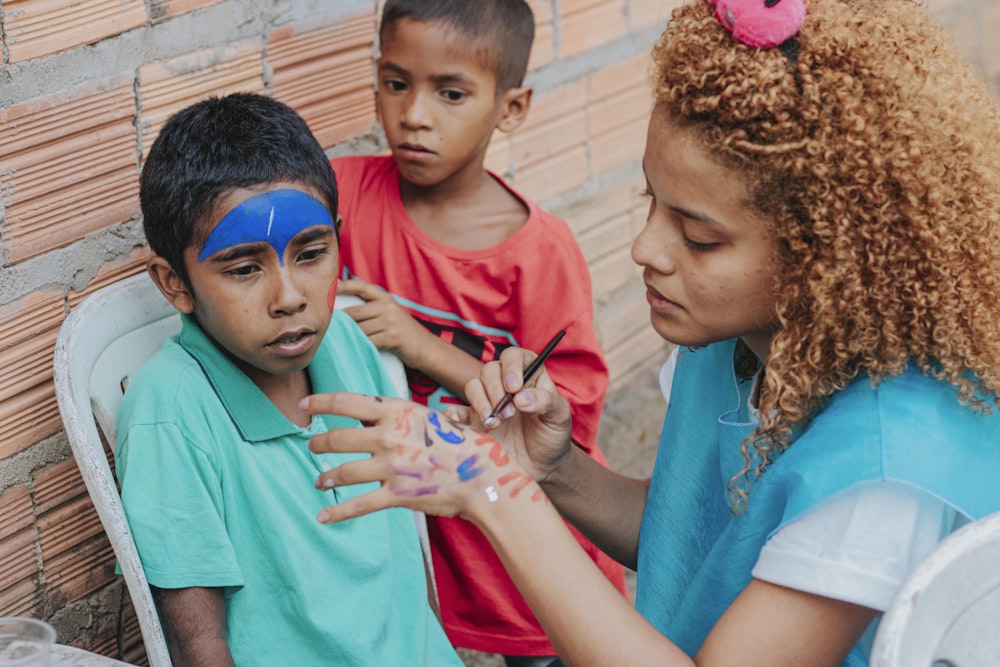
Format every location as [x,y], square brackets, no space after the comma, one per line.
[874,152]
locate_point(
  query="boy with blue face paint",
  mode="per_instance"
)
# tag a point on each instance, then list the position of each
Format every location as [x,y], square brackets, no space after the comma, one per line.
[239,206]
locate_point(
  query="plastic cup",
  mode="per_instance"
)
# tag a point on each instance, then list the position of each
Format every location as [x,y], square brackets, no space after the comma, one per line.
[25,642]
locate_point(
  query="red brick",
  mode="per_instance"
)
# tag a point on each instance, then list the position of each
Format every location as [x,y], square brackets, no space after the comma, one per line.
[76,554]
[644,350]
[161,9]
[939,6]
[543,48]
[589,23]
[619,101]
[20,566]
[67,167]
[498,155]
[644,13]
[112,273]
[74,574]
[613,271]
[18,560]
[22,599]
[991,47]
[554,176]
[326,75]
[549,152]
[28,329]
[166,87]
[607,223]
[133,651]
[33,28]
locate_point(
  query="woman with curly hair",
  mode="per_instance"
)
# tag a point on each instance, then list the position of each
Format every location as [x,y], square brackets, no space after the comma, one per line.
[823,242]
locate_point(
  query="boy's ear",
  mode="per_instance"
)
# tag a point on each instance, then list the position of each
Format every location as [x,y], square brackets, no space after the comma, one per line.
[170,284]
[514,110]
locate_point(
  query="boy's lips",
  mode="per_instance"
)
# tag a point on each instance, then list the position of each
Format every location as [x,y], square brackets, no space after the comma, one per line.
[414,152]
[292,343]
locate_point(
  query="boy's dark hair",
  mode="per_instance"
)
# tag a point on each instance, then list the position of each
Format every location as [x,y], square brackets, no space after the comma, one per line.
[502,30]
[215,146]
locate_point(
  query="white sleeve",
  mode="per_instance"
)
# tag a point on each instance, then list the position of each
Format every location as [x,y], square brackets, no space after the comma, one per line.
[667,374]
[858,546]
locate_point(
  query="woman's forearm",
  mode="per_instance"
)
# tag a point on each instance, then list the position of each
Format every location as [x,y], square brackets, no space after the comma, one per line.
[587,619]
[602,504]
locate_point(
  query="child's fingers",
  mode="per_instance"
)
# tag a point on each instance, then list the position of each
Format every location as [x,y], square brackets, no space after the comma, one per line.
[363,407]
[461,414]
[354,472]
[363,289]
[366,409]
[357,506]
[355,286]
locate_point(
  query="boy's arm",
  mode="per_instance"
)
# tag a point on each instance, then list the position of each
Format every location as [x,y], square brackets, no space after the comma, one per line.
[194,622]
[391,328]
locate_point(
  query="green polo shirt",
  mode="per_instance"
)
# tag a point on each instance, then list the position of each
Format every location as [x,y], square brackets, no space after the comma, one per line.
[218,489]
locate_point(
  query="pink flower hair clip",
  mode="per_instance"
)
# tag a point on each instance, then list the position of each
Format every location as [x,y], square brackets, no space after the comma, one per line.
[761,23]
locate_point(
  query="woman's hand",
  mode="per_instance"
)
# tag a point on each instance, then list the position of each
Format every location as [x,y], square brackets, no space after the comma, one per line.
[536,427]
[423,460]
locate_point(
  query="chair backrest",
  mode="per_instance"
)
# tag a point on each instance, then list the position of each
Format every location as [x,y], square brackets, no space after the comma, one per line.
[947,613]
[101,344]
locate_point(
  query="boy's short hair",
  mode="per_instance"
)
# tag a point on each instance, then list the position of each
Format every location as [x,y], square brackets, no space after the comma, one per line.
[503,30]
[213,147]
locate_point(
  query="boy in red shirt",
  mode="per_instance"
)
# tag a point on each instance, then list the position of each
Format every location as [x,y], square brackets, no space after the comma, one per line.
[455,266]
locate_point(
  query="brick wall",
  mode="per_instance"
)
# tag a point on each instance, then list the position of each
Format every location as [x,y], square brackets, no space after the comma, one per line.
[85,86]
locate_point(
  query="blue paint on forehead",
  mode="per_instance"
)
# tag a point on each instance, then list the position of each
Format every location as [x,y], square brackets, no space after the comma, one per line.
[273,217]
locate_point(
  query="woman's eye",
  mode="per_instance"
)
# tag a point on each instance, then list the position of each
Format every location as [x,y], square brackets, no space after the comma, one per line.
[698,246]
[394,85]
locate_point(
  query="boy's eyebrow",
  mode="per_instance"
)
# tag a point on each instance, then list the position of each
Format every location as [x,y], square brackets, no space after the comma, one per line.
[439,79]
[239,252]
[313,234]
[250,249]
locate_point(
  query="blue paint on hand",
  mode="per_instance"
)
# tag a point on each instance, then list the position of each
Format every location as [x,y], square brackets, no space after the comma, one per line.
[450,437]
[467,470]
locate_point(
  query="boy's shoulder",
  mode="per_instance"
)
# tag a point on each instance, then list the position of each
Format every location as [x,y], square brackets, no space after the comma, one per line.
[166,382]
[548,234]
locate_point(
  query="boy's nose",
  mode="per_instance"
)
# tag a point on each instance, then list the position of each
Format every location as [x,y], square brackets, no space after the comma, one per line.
[288,297]
[415,114]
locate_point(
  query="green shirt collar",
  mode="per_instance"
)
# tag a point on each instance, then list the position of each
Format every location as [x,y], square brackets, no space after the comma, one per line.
[253,413]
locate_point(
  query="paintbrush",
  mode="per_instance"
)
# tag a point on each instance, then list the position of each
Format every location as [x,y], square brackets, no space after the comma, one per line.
[528,373]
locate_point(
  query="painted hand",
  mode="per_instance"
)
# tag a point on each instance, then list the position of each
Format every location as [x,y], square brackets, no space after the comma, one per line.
[422,459]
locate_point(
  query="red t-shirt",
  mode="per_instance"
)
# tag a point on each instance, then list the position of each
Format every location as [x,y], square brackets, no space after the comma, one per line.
[519,292]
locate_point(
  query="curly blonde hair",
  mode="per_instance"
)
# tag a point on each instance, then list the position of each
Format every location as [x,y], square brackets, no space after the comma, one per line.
[874,152]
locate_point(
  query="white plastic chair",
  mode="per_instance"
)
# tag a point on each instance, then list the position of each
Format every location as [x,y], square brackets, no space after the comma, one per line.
[102,342]
[947,613]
